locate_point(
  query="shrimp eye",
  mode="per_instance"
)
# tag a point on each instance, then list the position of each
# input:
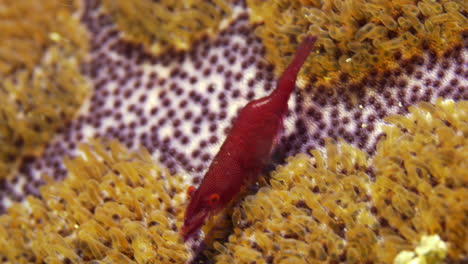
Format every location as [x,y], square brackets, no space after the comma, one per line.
[214,199]
[190,191]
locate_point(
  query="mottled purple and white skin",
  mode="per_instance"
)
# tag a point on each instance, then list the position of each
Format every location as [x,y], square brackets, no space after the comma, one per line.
[180,106]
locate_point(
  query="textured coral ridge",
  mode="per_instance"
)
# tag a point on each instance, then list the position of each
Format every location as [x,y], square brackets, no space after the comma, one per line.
[116,206]
[347,207]
[41,86]
[356,36]
[162,25]
[180,105]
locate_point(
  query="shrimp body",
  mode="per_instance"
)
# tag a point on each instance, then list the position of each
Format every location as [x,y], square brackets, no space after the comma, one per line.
[246,149]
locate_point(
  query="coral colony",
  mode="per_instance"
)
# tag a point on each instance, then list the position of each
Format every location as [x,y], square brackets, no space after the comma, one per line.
[111,109]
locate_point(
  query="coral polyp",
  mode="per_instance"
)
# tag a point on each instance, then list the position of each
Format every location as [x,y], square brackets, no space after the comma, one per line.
[345,206]
[116,206]
[422,174]
[430,250]
[168,24]
[41,82]
[356,36]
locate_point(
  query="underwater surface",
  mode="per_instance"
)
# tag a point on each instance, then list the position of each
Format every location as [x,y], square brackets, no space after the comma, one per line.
[111,109]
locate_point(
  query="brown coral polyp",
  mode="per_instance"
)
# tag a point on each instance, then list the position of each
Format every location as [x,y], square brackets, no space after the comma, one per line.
[422,183]
[168,24]
[41,84]
[115,206]
[315,209]
[355,37]
[347,207]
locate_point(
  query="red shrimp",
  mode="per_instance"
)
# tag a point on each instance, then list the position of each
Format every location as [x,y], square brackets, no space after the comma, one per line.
[246,149]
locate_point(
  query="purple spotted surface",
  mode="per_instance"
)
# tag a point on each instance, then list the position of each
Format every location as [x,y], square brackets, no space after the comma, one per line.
[180,105]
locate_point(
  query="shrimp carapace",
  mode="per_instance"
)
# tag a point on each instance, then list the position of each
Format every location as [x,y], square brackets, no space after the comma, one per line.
[246,149]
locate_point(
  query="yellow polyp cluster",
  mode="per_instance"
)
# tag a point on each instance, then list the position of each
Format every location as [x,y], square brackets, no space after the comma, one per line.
[430,250]
[161,25]
[115,206]
[316,209]
[346,207]
[28,29]
[41,86]
[356,35]
[421,185]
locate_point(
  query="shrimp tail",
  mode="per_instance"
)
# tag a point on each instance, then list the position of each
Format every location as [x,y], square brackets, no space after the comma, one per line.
[287,81]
